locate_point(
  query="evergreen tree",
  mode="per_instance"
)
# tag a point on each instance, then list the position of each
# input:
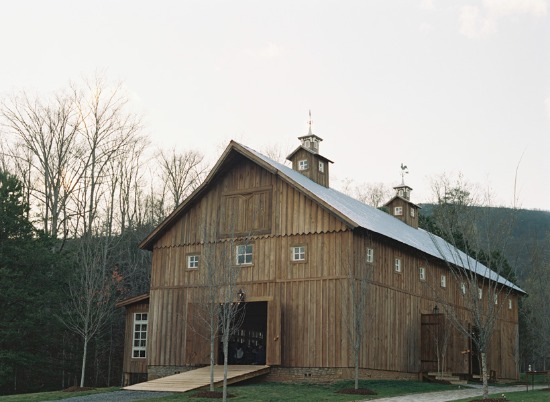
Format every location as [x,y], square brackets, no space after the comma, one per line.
[28,296]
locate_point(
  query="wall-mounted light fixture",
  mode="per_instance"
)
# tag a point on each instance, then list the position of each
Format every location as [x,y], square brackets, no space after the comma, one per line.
[241,295]
[436,309]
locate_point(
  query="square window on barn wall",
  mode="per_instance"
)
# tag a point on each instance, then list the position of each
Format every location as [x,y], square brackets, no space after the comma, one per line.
[298,253]
[303,165]
[398,211]
[321,167]
[139,345]
[193,261]
[370,255]
[244,253]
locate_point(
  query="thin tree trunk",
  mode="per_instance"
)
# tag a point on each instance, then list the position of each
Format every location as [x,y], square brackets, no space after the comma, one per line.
[357,370]
[84,354]
[212,360]
[484,375]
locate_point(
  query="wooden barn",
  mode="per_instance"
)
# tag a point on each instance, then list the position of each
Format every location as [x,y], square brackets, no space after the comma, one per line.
[294,240]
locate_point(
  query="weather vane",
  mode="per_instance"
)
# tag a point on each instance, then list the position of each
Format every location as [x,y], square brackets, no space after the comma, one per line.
[404,171]
[309,122]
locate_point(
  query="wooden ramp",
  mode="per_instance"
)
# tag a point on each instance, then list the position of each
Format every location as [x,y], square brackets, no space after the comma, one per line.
[200,378]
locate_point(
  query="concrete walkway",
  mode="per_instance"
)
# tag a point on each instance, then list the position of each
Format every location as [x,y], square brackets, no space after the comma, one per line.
[469,391]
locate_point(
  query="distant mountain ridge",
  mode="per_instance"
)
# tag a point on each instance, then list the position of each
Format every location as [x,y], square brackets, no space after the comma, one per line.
[530,231]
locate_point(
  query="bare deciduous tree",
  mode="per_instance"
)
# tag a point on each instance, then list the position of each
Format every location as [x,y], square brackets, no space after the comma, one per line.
[355,288]
[373,194]
[47,140]
[92,292]
[180,173]
[107,131]
[474,262]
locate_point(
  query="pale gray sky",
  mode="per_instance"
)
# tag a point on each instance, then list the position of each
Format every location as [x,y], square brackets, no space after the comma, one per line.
[442,86]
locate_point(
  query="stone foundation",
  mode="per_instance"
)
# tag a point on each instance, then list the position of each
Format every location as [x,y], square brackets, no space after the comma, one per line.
[332,374]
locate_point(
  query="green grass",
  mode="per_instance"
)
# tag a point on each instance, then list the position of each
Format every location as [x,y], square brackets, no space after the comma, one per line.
[522,396]
[272,392]
[269,391]
[51,396]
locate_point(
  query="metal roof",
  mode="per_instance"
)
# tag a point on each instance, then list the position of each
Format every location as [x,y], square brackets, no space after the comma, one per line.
[372,219]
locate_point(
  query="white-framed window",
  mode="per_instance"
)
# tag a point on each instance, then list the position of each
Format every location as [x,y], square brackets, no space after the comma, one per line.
[422,273]
[370,255]
[321,167]
[298,253]
[244,254]
[193,261]
[509,304]
[443,281]
[480,293]
[397,211]
[139,345]
[397,265]
[463,288]
[303,165]
[412,213]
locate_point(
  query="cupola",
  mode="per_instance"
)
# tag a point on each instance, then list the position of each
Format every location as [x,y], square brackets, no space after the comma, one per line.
[400,206]
[307,160]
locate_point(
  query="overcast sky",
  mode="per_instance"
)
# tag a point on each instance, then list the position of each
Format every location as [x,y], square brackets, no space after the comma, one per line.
[442,86]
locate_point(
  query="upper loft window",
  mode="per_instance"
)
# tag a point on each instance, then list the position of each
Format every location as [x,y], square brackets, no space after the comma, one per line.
[303,165]
[443,281]
[244,254]
[370,255]
[422,273]
[139,346]
[397,265]
[308,144]
[412,213]
[509,304]
[398,211]
[400,192]
[321,167]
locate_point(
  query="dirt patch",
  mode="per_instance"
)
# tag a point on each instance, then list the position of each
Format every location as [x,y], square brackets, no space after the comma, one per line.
[212,395]
[359,391]
[74,388]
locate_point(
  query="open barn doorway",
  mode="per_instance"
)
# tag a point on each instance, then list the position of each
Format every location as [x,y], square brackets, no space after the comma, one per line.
[248,344]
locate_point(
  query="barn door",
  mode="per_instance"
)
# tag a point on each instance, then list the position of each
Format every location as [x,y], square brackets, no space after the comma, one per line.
[428,332]
[197,338]
[273,336]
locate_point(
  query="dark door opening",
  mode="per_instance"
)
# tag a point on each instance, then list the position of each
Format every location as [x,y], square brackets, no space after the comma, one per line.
[248,344]
[475,366]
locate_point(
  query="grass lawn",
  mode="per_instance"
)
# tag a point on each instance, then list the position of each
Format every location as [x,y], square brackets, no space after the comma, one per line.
[268,391]
[272,392]
[51,396]
[522,396]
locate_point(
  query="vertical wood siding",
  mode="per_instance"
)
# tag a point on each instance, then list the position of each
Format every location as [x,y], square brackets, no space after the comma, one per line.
[309,295]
